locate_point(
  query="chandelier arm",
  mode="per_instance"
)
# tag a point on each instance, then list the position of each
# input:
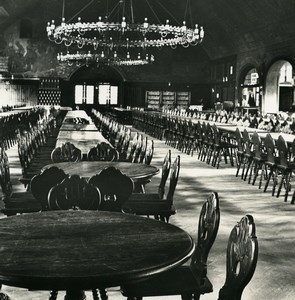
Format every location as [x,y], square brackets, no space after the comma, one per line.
[81,10]
[168,12]
[147,1]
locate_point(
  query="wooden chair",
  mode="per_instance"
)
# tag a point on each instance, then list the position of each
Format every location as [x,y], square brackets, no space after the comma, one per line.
[271,163]
[161,189]
[220,147]
[240,150]
[241,259]
[103,152]
[67,152]
[160,209]
[187,280]
[149,153]
[14,203]
[115,188]
[258,160]
[74,193]
[286,167]
[43,182]
[248,154]
[4,296]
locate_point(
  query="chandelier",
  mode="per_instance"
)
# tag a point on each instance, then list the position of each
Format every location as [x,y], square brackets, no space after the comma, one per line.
[108,36]
[80,58]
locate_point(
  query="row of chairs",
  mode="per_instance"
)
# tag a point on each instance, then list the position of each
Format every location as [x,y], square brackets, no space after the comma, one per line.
[151,123]
[266,160]
[190,281]
[35,146]
[11,124]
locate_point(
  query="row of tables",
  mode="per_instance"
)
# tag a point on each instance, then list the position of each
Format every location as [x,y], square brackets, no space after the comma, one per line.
[82,250]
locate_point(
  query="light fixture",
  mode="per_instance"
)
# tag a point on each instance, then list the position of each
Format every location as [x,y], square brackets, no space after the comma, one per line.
[83,58]
[124,33]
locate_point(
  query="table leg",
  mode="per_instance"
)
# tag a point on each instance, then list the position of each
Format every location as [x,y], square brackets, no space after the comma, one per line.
[75,295]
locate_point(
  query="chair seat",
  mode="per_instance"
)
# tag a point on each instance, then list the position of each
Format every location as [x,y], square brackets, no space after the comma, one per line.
[144,197]
[174,282]
[149,208]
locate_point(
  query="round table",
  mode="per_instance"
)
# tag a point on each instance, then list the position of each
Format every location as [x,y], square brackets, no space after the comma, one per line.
[138,172]
[81,250]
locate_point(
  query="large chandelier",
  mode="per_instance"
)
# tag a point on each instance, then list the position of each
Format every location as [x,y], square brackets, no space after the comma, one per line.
[106,35]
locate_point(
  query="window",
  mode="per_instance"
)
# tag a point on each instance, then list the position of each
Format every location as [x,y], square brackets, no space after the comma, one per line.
[107,94]
[84,94]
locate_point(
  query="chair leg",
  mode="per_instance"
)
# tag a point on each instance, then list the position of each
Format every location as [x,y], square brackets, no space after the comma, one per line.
[95,294]
[268,179]
[281,184]
[186,296]
[275,182]
[288,176]
[53,295]
[103,294]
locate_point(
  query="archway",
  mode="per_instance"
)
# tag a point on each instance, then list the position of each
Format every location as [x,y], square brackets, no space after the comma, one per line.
[87,83]
[278,88]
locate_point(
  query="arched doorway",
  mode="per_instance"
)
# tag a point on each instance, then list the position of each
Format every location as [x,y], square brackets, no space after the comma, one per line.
[279,88]
[250,91]
[95,86]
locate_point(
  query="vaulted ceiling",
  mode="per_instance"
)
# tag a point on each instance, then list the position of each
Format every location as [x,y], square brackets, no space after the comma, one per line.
[231,26]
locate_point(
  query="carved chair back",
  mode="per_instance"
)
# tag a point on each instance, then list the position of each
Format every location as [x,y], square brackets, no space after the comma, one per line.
[43,182]
[149,153]
[67,152]
[207,230]
[282,151]
[143,150]
[115,188]
[74,193]
[247,142]
[174,174]
[103,152]
[5,182]
[241,259]
[239,141]
[269,145]
[165,173]
[256,146]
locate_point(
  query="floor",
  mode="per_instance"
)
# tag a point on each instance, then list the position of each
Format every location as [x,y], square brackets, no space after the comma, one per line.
[275,224]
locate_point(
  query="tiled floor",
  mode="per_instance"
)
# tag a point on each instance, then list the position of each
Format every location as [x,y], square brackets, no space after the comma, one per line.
[275,223]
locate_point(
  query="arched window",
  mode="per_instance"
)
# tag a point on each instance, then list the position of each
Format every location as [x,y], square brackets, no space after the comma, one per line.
[26,29]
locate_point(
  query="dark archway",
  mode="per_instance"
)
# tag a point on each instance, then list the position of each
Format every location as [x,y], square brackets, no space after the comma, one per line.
[93,76]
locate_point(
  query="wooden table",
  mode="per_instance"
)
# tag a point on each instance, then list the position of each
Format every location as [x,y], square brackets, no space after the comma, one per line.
[86,169]
[83,136]
[82,250]
[78,127]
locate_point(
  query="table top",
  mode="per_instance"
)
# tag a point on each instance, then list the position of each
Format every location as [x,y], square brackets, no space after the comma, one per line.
[86,169]
[86,249]
[78,127]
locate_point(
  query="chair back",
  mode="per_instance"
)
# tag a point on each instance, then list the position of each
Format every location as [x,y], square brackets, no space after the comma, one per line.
[247,142]
[67,152]
[207,231]
[115,188]
[239,141]
[165,173]
[103,152]
[5,182]
[241,259]
[282,151]
[43,182]
[143,150]
[74,193]
[149,153]
[174,174]
[269,145]
[256,145]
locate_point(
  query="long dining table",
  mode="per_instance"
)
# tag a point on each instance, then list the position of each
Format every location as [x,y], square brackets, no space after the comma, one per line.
[84,250]
[84,135]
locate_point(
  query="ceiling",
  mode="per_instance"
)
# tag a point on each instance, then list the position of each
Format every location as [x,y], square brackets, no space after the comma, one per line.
[231,26]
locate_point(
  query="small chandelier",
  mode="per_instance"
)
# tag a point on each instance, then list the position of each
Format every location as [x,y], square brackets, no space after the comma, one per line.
[83,58]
